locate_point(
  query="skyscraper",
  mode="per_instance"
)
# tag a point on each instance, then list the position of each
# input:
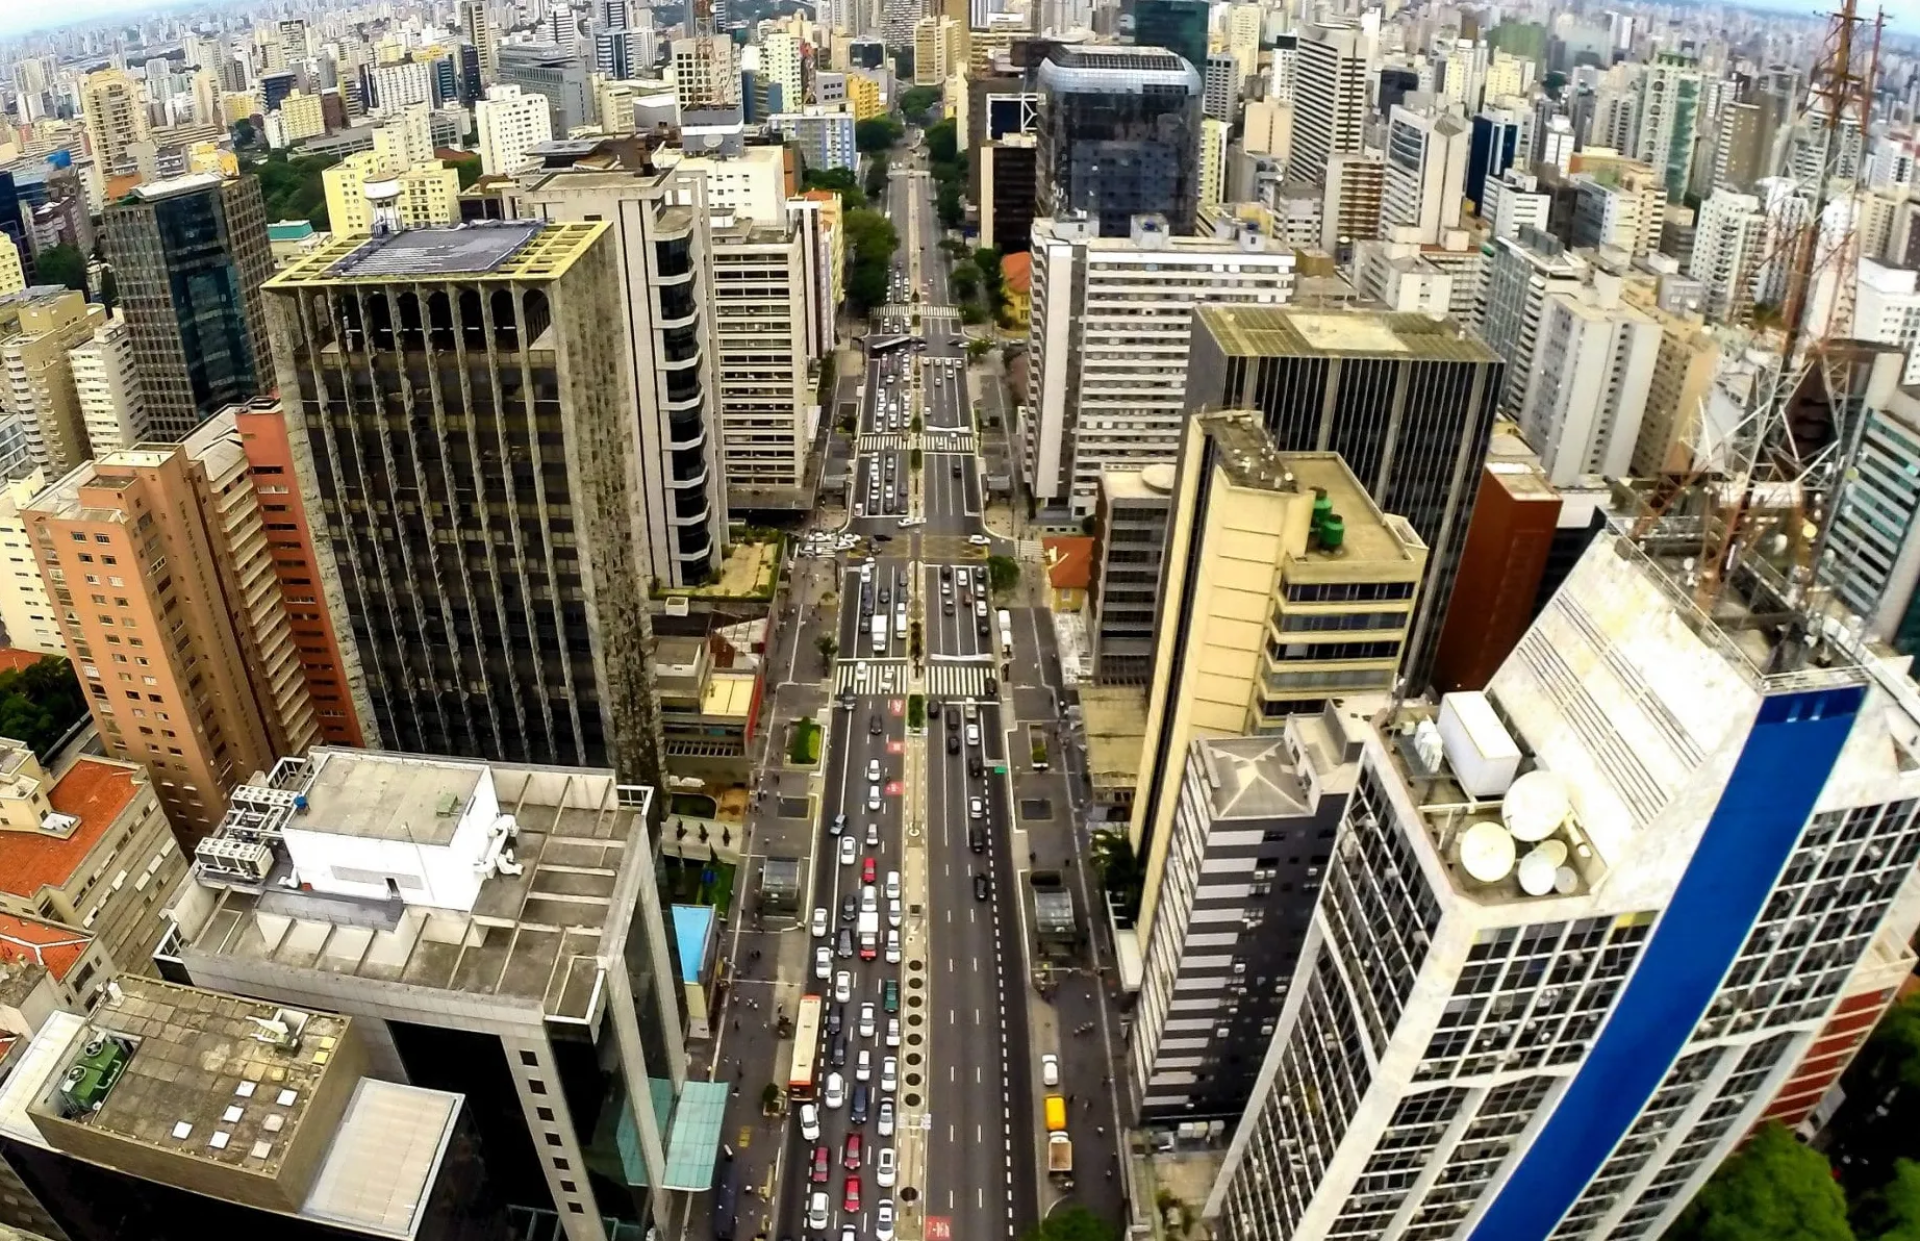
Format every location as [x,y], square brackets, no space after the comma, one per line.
[485,41]
[1426,175]
[1119,136]
[190,255]
[484,563]
[38,327]
[1329,97]
[1407,400]
[1180,26]
[1550,1005]
[115,109]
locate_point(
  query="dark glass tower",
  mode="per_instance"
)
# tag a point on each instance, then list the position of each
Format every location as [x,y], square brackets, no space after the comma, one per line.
[1180,26]
[190,255]
[1119,136]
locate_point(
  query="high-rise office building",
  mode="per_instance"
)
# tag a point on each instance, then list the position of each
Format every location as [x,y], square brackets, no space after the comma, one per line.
[1872,555]
[1259,543]
[1110,332]
[510,123]
[516,630]
[1571,957]
[113,404]
[553,74]
[1180,26]
[484,40]
[1493,148]
[158,560]
[190,255]
[38,327]
[664,257]
[1426,175]
[115,110]
[1329,97]
[706,71]
[760,299]
[573,1036]
[1407,400]
[1119,136]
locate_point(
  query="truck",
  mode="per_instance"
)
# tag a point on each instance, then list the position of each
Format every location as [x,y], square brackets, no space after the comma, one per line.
[868,930]
[1056,1114]
[1060,1156]
[880,633]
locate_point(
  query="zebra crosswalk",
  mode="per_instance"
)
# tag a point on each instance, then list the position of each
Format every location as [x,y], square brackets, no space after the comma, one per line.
[947,441]
[882,677]
[956,680]
[882,443]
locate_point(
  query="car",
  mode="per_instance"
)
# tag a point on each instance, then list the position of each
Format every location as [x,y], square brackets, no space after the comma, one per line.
[869,898]
[892,887]
[890,1074]
[847,1233]
[893,913]
[981,889]
[978,540]
[946,608]
[822,962]
[836,1019]
[885,1118]
[886,595]
[857,1105]
[1049,1070]
[890,995]
[849,907]
[977,838]
[839,825]
[822,1170]
[863,1066]
[956,469]
[866,870]
[973,737]
[843,983]
[873,800]
[980,609]
[946,588]
[975,767]
[893,947]
[976,809]
[875,725]
[835,1095]
[852,1201]
[873,769]
[810,1122]
[866,1021]
[848,850]
[850,1156]
[953,743]
[884,1167]
[979,579]
[817,1211]
[993,688]
[883,1220]
[946,573]
[873,833]
[893,1032]
[981,627]
[819,926]
[953,721]
[843,944]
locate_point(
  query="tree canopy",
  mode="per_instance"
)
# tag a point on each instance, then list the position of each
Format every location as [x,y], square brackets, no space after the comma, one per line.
[871,241]
[1071,1224]
[840,180]
[1775,1189]
[876,134]
[40,702]
[916,101]
[292,187]
[1893,1212]
[61,264]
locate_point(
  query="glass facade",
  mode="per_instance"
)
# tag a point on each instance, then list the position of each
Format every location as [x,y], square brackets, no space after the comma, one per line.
[1119,137]
[1180,26]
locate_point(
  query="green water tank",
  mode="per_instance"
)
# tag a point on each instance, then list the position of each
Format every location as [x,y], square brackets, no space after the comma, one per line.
[1322,507]
[1333,532]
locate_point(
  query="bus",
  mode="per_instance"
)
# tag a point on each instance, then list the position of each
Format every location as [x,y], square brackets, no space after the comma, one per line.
[806,1049]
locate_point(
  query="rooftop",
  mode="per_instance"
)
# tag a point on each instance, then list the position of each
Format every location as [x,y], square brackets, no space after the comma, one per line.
[1250,777]
[13,659]
[416,800]
[94,790]
[189,184]
[1278,331]
[1069,561]
[1115,720]
[492,250]
[28,945]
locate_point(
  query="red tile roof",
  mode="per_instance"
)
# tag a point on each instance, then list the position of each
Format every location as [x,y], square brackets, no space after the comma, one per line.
[1016,272]
[93,791]
[57,947]
[13,659]
[1069,561]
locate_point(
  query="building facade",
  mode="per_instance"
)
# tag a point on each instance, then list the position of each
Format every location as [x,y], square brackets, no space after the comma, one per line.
[760,299]
[1119,136]
[1129,543]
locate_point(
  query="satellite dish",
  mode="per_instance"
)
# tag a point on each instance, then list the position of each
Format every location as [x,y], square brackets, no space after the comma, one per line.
[1487,852]
[1535,806]
[1536,874]
[1565,880]
[1554,849]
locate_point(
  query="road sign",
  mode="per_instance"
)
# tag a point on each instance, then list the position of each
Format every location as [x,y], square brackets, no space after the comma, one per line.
[939,1228]
[999,769]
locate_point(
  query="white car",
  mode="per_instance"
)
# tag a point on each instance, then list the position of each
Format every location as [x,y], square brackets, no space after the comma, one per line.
[893,947]
[973,738]
[893,885]
[886,1118]
[869,899]
[976,809]
[893,1032]
[979,540]
[866,1021]
[820,922]
[1049,1070]
[873,833]
[822,962]
[873,797]
[873,769]
[883,1167]
[848,847]
[883,1220]
[889,1073]
[817,1212]
[836,1093]
[893,912]
[907,523]
[810,1122]
[842,987]
[863,1066]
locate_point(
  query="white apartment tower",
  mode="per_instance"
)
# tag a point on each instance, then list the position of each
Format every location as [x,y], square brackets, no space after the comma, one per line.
[25,608]
[112,405]
[1593,361]
[511,123]
[1568,954]
[1329,97]
[1110,321]
[760,329]
[1426,175]
[1522,272]
[1728,243]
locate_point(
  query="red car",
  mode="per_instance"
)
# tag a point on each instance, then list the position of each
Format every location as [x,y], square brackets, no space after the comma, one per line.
[853,1194]
[821,1159]
[852,1160]
[866,872]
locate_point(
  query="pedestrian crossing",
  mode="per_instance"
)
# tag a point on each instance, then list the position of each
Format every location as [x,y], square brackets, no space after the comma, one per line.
[882,677]
[883,443]
[949,548]
[947,441]
[956,680]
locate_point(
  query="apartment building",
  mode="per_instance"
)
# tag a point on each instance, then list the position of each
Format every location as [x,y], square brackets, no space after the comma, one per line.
[1593,358]
[90,849]
[1522,272]
[760,298]
[37,328]
[1110,326]
[114,107]
[25,608]
[510,124]
[1129,544]
[1283,585]
[113,404]
[1683,370]
[423,195]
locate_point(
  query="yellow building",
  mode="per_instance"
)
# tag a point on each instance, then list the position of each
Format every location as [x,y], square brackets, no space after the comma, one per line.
[934,49]
[429,193]
[213,159]
[236,108]
[13,276]
[301,116]
[115,109]
[1285,586]
[36,331]
[1683,371]
[864,94]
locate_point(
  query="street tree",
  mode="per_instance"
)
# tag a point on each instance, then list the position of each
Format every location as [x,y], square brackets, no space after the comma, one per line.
[1776,1189]
[1072,1224]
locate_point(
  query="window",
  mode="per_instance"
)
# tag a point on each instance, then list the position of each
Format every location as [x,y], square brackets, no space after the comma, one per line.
[537,1086]
[527,1057]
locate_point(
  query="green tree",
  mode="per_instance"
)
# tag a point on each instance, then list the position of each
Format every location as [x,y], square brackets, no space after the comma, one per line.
[876,134]
[467,168]
[1003,573]
[1072,1224]
[1892,1213]
[915,101]
[977,349]
[61,264]
[1775,1189]
[943,144]
[840,180]
[971,314]
[947,203]
[292,187]
[40,702]
[877,177]
[241,131]
[964,280]
[826,646]
[871,241]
